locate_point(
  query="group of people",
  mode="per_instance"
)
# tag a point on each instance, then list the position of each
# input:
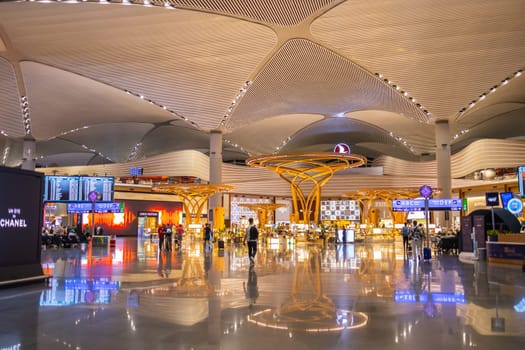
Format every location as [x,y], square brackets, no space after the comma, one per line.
[165,234]
[63,237]
[413,235]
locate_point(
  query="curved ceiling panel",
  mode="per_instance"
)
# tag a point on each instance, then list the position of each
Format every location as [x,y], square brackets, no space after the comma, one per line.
[181,163]
[478,155]
[62,102]
[168,138]
[489,112]
[113,141]
[279,12]
[192,62]
[71,159]
[11,121]
[444,53]
[322,83]
[264,137]
[400,128]
[503,126]
[332,131]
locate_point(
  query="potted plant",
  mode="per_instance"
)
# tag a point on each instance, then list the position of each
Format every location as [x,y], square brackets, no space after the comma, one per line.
[492,235]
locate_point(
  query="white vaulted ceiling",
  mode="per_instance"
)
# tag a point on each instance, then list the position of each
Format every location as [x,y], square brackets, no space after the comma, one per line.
[117,81]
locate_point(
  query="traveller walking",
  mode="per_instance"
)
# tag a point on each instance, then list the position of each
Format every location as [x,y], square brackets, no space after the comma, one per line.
[251,237]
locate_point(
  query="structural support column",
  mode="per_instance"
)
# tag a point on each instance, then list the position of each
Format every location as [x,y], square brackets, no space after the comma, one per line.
[215,168]
[29,153]
[444,176]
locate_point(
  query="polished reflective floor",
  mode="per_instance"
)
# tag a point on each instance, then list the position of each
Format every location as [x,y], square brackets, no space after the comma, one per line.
[304,296]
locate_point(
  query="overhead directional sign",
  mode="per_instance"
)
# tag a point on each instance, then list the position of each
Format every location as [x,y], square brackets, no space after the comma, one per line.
[433,204]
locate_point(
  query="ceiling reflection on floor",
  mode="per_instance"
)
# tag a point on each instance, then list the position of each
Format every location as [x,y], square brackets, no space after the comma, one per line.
[303,296]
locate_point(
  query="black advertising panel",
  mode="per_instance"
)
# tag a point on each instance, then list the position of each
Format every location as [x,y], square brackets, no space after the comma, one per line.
[21,211]
[492,199]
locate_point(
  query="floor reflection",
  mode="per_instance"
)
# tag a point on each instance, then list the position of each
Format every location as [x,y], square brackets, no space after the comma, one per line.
[296,296]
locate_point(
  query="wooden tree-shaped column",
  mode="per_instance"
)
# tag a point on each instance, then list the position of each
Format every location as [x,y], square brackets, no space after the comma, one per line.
[262,210]
[194,197]
[387,195]
[300,169]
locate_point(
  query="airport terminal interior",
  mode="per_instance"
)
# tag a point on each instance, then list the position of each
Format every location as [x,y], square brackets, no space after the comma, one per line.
[126,126]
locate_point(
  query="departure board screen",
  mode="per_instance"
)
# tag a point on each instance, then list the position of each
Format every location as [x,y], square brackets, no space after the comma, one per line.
[102,185]
[77,188]
[61,188]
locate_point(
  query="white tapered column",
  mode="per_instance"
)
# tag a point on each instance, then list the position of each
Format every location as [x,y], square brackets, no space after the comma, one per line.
[215,167]
[444,176]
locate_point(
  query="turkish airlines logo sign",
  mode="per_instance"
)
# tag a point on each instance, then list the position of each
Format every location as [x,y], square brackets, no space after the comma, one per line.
[342,148]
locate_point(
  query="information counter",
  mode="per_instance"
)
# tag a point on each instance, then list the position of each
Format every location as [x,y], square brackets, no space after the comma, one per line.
[100,241]
[506,252]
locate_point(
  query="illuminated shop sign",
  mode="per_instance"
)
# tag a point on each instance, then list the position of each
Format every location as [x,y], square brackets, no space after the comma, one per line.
[492,199]
[433,204]
[152,214]
[13,219]
[515,206]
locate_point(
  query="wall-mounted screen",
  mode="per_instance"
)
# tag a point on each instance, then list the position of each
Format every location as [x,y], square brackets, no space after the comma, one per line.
[77,188]
[340,210]
[505,198]
[136,171]
[104,185]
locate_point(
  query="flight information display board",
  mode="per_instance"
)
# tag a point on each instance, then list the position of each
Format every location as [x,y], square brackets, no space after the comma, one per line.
[103,185]
[77,188]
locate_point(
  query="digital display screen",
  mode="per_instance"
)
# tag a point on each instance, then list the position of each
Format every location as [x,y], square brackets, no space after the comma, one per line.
[104,185]
[505,198]
[100,207]
[455,204]
[21,211]
[136,171]
[77,188]
[340,210]
[492,199]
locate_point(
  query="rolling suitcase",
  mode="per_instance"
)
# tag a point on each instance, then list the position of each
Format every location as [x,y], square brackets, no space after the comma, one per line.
[427,254]
[221,244]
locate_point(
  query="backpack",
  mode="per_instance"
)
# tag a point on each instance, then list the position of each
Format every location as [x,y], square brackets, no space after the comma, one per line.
[254,233]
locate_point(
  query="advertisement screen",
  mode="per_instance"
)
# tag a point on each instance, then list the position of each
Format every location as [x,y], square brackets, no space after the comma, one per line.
[505,198]
[492,199]
[21,210]
[340,210]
